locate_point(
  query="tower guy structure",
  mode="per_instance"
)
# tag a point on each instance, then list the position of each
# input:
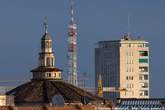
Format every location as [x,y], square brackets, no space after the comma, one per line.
[72,48]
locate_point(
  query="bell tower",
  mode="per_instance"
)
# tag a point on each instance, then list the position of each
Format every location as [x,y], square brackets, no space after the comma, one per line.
[46,68]
[46,56]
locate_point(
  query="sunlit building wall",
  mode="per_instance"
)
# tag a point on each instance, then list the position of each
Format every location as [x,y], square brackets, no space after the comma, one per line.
[123,64]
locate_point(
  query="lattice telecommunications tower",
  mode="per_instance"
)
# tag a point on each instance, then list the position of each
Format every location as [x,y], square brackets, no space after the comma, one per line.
[72,49]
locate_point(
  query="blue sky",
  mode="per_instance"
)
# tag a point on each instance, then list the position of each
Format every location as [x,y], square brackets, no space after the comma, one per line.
[21,29]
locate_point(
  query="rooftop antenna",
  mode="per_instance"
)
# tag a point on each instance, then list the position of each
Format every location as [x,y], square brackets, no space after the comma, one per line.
[128,21]
[45,25]
[72,11]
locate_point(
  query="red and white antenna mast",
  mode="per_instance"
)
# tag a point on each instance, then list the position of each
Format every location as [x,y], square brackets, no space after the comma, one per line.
[72,48]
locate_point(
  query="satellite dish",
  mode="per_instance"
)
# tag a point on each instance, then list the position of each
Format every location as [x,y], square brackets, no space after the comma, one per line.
[58,100]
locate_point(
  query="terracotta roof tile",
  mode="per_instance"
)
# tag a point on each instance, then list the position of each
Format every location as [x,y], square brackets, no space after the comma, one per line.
[75,107]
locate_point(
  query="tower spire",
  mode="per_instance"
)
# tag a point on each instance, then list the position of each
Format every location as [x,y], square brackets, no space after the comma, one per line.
[72,11]
[100,86]
[45,25]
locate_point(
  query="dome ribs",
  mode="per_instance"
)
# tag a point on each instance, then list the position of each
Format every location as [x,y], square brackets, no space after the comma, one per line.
[45,92]
[59,92]
[42,91]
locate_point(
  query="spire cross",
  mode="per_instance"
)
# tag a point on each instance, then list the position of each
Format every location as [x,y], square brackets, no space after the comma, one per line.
[45,25]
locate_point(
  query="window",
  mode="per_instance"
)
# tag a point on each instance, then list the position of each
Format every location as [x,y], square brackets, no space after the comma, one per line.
[132,53]
[50,44]
[146,93]
[143,69]
[129,77]
[127,69]
[143,60]
[145,85]
[140,77]
[143,53]
[48,75]
[140,45]
[130,86]
[47,44]
[52,60]
[49,61]
[141,94]
[59,74]
[145,77]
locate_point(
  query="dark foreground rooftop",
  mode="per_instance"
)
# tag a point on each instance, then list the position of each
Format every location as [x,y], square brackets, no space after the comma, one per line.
[42,91]
[73,107]
[154,103]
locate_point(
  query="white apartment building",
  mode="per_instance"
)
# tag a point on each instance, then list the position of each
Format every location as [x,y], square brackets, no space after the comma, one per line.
[123,64]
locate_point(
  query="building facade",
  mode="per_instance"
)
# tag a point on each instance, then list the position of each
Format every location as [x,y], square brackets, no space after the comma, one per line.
[123,65]
[6,100]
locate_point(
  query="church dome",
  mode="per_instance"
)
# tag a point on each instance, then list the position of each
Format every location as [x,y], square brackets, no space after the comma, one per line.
[42,91]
